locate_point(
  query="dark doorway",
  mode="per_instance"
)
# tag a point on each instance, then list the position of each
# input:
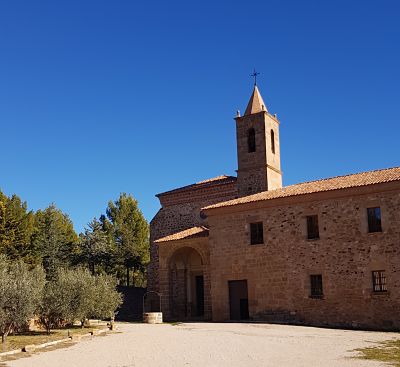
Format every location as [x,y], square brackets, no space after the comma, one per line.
[238,300]
[200,295]
[244,309]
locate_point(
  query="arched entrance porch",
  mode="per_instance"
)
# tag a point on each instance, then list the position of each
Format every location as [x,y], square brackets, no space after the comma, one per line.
[186,285]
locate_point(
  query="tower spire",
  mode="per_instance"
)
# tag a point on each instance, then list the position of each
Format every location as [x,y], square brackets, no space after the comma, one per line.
[257,136]
[256,103]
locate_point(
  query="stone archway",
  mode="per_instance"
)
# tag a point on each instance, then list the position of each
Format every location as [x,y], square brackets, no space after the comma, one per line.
[186,284]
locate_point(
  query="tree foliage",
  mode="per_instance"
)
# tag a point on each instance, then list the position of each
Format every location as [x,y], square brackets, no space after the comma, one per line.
[107,299]
[16,229]
[54,306]
[126,225]
[77,295]
[96,248]
[117,244]
[21,290]
[54,238]
[46,237]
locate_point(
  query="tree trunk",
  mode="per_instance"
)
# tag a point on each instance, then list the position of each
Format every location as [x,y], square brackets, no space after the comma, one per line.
[4,339]
[127,276]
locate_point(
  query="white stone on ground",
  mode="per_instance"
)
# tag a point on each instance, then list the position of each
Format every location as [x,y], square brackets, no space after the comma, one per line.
[213,345]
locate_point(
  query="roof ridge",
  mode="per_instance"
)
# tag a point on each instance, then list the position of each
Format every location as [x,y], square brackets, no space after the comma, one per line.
[213,180]
[365,178]
[340,176]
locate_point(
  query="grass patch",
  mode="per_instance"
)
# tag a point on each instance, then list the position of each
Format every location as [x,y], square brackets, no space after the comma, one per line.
[387,351]
[17,341]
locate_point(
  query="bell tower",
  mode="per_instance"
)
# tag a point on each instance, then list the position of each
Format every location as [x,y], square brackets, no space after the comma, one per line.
[257,137]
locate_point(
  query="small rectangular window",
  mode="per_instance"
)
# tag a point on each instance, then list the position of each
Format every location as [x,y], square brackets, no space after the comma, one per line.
[379,281]
[374,219]
[312,227]
[256,233]
[316,286]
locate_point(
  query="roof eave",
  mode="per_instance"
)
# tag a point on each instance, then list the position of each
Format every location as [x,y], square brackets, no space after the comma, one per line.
[275,118]
[307,197]
[182,189]
[180,240]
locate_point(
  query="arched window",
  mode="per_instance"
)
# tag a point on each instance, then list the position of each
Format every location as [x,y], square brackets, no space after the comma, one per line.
[272,141]
[251,140]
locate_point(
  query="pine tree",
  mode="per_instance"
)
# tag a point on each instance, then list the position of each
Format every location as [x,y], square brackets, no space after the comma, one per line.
[95,247]
[126,224]
[16,229]
[55,239]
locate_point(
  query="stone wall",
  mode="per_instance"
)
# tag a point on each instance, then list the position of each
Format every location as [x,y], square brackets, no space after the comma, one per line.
[260,170]
[132,306]
[278,271]
[181,210]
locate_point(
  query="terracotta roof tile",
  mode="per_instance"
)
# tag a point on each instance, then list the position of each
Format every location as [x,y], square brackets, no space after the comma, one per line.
[328,184]
[194,232]
[219,180]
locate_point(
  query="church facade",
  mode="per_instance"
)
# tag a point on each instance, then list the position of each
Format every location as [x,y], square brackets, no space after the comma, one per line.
[322,253]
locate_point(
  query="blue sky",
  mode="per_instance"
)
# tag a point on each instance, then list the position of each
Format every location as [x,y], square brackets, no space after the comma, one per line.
[102,97]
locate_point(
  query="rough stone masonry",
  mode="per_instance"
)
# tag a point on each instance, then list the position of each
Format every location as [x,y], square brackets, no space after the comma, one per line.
[319,253]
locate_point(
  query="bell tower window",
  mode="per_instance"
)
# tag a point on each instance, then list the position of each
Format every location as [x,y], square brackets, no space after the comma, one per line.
[273,141]
[251,140]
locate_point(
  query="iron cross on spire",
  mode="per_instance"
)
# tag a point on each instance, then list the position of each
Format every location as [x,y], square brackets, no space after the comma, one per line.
[254,75]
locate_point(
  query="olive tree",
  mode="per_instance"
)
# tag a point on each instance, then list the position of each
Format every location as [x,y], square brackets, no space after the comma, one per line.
[76,295]
[107,299]
[66,298]
[21,289]
[83,295]
[54,309]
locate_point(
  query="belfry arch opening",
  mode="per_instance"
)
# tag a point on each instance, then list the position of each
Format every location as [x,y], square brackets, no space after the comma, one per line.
[272,141]
[186,274]
[251,140]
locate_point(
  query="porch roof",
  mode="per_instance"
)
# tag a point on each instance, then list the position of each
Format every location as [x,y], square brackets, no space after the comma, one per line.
[194,232]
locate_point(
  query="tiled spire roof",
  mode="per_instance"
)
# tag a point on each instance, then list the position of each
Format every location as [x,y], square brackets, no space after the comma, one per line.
[256,103]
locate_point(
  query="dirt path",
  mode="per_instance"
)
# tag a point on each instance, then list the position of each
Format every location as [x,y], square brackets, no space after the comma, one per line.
[219,345]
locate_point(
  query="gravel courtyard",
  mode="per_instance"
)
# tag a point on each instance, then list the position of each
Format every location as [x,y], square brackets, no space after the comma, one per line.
[208,344]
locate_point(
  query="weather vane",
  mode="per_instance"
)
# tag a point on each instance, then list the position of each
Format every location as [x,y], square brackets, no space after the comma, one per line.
[254,75]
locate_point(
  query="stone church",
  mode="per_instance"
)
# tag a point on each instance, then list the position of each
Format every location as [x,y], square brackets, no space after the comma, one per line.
[322,253]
